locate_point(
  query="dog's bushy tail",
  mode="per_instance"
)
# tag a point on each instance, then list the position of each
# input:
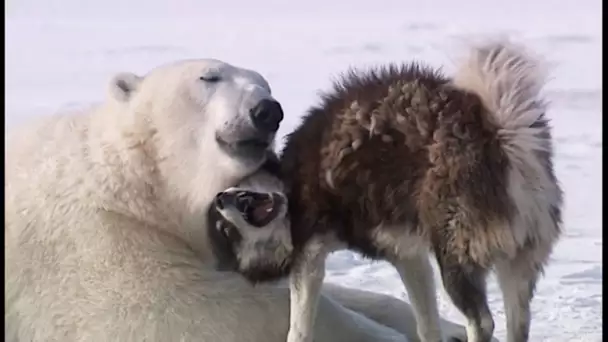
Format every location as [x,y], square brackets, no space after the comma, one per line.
[509,80]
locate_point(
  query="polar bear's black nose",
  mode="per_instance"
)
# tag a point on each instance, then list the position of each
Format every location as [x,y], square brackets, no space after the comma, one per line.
[267,115]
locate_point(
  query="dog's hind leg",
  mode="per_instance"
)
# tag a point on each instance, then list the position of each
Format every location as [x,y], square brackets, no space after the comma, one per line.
[517,278]
[465,283]
[416,273]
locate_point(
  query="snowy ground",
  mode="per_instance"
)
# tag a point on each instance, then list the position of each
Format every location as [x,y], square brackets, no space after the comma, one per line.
[61,53]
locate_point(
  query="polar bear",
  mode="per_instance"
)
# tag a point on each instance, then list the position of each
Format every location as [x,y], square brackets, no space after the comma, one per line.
[105,236]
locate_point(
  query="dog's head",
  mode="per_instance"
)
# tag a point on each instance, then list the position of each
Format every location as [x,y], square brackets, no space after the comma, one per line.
[249,229]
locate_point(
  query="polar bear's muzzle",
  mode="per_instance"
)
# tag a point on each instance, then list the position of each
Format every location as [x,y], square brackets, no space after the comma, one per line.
[251,138]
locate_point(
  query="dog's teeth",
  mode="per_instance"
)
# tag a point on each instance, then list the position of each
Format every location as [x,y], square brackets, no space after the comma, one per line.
[268,210]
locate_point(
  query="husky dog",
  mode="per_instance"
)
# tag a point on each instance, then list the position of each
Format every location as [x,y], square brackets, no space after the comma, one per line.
[248,230]
[398,161]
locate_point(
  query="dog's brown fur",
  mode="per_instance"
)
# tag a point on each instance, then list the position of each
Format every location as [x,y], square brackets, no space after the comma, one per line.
[400,147]
[403,151]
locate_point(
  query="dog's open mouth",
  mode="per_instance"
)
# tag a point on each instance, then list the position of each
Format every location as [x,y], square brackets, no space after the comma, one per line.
[258,209]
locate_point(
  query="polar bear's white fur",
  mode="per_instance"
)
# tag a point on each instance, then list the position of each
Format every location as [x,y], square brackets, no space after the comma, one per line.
[104,224]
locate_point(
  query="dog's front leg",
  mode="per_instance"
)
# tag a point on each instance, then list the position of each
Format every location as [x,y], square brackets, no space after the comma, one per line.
[305,284]
[416,273]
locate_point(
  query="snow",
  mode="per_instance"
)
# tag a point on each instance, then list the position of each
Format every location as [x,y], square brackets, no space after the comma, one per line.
[62,53]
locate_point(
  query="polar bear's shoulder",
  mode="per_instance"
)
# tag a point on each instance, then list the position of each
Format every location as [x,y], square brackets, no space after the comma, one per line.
[42,147]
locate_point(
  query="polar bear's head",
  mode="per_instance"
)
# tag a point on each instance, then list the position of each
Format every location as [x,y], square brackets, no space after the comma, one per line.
[249,229]
[208,123]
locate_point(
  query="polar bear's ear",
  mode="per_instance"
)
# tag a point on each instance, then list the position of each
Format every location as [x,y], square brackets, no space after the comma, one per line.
[123,85]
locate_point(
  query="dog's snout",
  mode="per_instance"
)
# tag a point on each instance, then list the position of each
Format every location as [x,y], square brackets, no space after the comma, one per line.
[267,115]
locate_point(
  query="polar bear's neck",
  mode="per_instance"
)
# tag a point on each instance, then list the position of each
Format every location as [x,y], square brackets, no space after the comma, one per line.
[133,180]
